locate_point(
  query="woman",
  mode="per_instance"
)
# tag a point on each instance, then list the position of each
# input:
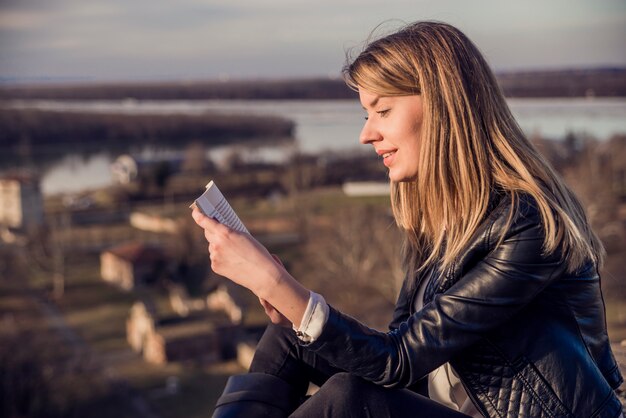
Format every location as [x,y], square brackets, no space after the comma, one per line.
[500,314]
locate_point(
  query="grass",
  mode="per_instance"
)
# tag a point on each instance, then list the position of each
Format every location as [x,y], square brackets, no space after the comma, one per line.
[199,386]
[199,390]
[327,201]
[616,319]
[102,326]
[40,363]
[97,312]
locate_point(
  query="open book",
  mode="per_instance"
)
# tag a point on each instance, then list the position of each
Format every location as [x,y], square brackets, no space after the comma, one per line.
[213,204]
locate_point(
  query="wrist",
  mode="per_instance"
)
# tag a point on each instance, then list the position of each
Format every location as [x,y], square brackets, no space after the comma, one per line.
[283,292]
[267,287]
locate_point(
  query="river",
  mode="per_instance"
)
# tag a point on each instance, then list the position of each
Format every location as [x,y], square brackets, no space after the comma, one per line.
[331,126]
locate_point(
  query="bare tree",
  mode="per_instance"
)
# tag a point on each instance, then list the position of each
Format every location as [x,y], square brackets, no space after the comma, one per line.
[48,250]
[361,246]
[189,251]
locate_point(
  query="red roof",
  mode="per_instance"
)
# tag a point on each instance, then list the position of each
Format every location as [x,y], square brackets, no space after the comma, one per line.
[137,252]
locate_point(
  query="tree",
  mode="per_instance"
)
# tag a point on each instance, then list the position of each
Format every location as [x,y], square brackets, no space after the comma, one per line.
[362,246]
[47,249]
[189,249]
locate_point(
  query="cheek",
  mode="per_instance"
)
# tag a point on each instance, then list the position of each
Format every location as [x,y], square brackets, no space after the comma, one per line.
[413,144]
[417,141]
[416,128]
[410,159]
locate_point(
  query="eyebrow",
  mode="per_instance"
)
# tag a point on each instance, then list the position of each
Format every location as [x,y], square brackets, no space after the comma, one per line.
[373,102]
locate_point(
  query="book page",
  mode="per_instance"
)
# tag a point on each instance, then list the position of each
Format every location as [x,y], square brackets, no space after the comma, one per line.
[214,205]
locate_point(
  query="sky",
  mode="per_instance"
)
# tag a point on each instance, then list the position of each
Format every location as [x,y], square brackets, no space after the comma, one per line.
[106,40]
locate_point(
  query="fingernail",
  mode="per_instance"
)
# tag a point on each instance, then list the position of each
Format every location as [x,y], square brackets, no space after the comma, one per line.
[193,206]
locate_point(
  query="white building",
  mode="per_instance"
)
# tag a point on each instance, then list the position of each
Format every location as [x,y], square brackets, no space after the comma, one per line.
[21,204]
[132,264]
[366,188]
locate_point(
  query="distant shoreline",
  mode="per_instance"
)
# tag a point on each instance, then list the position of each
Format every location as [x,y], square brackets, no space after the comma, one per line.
[597,82]
[36,128]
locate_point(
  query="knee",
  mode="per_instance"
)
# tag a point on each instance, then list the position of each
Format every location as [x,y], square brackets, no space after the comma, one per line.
[276,336]
[344,388]
[338,397]
[343,380]
[275,332]
[273,349]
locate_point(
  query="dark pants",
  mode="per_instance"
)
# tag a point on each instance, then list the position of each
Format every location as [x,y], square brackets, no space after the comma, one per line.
[341,394]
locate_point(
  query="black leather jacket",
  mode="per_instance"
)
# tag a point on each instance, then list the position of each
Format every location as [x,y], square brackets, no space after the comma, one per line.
[526,338]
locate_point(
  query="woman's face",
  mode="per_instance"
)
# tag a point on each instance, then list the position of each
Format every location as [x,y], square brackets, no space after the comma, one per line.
[393,126]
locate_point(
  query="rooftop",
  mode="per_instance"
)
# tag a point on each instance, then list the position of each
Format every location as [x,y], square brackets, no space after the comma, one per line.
[137,252]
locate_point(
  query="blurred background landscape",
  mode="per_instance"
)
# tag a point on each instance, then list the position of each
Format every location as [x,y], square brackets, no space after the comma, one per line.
[115,115]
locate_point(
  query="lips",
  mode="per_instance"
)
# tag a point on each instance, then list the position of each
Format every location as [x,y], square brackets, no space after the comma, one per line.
[385,152]
[387,155]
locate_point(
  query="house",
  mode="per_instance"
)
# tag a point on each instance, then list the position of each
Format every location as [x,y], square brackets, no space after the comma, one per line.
[133,264]
[21,203]
[366,188]
[209,328]
[161,336]
[205,337]
[222,300]
[140,324]
[153,222]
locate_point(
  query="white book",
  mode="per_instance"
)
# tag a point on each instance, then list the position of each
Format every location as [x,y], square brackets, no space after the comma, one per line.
[213,204]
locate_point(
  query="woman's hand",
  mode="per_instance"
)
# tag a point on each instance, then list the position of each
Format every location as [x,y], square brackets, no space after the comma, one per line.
[275,316]
[239,256]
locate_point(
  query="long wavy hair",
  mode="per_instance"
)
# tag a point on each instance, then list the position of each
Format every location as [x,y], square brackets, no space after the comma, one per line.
[470,146]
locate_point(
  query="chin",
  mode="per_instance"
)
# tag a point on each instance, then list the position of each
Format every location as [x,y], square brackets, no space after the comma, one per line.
[401,178]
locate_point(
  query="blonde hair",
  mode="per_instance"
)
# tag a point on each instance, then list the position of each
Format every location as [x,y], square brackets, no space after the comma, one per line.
[470,146]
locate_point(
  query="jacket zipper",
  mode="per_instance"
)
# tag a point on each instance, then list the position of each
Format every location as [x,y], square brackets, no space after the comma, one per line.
[474,400]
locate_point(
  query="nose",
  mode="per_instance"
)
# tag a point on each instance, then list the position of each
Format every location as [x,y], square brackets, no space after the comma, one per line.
[369,134]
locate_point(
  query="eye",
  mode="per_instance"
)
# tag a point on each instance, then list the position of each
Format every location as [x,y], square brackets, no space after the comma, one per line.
[383,113]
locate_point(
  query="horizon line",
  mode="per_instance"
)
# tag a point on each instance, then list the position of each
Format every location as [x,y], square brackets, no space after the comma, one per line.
[47,81]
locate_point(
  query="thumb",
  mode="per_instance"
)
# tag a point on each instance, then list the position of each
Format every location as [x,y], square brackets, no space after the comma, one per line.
[278,260]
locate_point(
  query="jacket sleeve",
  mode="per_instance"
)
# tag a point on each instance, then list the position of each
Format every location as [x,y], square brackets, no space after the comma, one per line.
[402,309]
[484,298]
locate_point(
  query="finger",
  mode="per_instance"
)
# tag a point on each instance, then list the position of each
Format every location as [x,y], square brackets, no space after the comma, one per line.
[198,216]
[265,304]
[269,311]
[278,260]
[203,220]
[210,225]
[274,316]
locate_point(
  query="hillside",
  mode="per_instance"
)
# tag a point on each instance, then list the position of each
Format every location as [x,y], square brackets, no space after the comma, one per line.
[601,82]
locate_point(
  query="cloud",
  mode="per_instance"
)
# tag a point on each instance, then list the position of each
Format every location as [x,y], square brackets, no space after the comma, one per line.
[19,20]
[205,37]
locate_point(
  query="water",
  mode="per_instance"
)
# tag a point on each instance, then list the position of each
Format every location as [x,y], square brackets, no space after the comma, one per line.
[331,126]
[555,118]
